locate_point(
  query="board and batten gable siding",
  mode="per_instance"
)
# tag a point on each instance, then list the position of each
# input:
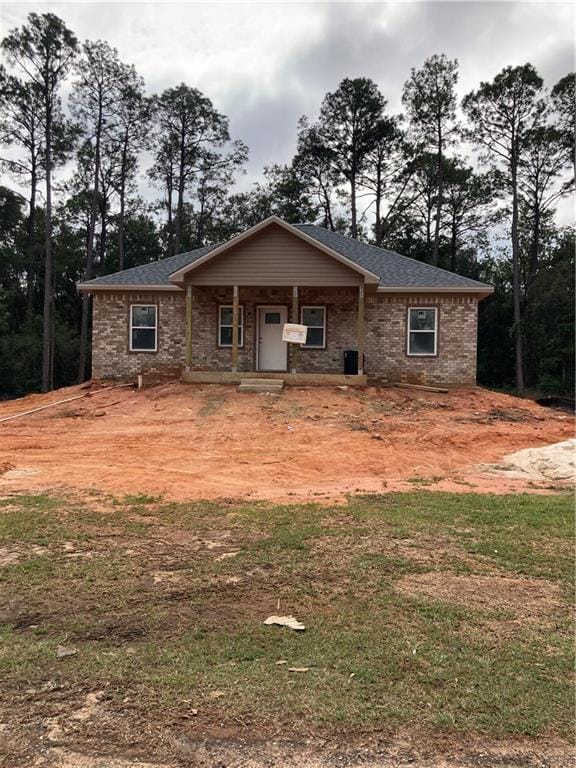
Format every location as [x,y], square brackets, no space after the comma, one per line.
[274,257]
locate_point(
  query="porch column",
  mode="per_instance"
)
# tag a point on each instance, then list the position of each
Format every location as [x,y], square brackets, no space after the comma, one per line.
[188,327]
[295,319]
[235,314]
[361,331]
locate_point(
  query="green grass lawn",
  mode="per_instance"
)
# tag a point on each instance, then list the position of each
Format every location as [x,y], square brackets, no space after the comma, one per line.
[426,610]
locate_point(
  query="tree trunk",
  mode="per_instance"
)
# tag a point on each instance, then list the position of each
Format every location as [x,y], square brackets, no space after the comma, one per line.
[378,211]
[123,171]
[85,320]
[52,341]
[103,235]
[170,247]
[179,215]
[516,281]
[354,223]
[48,290]
[530,352]
[440,192]
[428,228]
[180,201]
[453,246]
[30,231]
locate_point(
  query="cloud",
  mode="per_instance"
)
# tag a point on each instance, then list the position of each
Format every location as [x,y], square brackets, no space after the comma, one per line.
[266,64]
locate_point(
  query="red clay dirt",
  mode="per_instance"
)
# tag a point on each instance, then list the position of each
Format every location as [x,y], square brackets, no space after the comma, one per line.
[315,443]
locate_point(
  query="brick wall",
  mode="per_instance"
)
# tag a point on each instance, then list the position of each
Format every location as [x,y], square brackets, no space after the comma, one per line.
[111,357]
[386,340]
[386,325]
[341,311]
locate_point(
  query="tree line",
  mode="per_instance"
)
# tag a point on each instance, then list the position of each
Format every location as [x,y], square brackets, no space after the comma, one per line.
[472,186]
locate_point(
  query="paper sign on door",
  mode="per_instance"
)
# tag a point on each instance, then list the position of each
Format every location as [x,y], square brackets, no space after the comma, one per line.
[295,334]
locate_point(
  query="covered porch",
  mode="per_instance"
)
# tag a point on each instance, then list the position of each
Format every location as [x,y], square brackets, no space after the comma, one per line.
[235,332]
[240,295]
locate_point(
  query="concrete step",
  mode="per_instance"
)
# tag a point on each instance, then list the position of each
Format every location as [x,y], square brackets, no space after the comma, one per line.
[262,381]
[258,385]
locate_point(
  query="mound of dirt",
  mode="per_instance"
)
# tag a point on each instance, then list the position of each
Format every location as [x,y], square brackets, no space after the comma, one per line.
[534,599]
[553,462]
[310,443]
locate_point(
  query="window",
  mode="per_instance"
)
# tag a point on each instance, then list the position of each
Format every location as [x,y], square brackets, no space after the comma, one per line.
[225,326]
[143,328]
[315,319]
[422,331]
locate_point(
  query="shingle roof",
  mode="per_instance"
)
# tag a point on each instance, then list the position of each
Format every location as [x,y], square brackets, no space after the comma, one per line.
[394,270]
[156,273]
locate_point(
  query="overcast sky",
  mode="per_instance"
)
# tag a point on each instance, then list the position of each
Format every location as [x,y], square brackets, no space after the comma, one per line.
[266,64]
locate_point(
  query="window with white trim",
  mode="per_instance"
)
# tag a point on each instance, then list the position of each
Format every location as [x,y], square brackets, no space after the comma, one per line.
[422,331]
[225,313]
[315,320]
[143,328]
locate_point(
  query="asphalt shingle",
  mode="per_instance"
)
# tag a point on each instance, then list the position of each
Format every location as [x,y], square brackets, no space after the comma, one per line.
[155,273]
[394,270]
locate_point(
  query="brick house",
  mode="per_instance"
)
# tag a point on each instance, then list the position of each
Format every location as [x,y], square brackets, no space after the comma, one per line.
[218,313]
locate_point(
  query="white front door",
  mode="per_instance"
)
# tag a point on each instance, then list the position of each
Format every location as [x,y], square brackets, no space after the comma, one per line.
[272,351]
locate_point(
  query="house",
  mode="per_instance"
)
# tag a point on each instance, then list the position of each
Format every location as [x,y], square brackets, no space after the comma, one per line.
[217,313]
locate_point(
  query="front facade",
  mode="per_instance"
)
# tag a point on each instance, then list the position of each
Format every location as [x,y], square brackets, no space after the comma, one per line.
[217,314]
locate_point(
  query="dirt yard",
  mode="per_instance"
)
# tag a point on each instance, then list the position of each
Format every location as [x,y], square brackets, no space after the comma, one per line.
[209,441]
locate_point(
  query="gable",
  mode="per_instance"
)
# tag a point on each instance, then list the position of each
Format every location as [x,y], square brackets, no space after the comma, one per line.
[274,256]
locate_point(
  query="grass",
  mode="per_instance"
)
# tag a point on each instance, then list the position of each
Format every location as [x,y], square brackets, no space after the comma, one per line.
[170,611]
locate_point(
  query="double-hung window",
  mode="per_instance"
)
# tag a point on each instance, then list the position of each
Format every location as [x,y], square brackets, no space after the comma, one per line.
[422,331]
[315,320]
[225,314]
[143,328]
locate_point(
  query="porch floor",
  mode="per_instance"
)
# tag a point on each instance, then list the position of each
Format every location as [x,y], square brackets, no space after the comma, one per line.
[295,379]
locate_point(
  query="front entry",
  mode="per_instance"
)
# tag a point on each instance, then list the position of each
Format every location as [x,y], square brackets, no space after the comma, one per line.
[272,352]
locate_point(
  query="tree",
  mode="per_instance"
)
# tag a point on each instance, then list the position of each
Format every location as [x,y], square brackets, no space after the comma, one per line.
[542,182]
[44,50]
[186,127]
[21,128]
[430,99]
[214,180]
[282,193]
[345,133]
[543,179]
[132,125]
[386,178]
[551,322]
[502,115]
[563,101]
[95,102]
[141,239]
[423,192]
[313,164]
[163,175]
[285,193]
[467,199]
